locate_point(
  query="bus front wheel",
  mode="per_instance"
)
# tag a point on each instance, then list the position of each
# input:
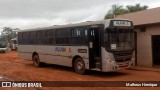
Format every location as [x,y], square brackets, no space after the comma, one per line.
[36,61]
[79,66]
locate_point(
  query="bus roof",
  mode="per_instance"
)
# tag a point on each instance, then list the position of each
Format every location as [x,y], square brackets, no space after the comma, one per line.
[72,25]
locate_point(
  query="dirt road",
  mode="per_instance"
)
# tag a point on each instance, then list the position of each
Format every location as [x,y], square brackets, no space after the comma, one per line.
[17,69]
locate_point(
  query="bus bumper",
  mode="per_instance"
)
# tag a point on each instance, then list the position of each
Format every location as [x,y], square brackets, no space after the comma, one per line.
[3,49]
[113,66]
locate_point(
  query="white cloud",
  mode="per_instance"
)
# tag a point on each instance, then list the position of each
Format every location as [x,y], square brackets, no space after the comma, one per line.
[29,23]
[25,14]
[69,16]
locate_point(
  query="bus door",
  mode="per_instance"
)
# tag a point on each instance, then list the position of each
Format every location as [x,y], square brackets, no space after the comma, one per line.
[94,48]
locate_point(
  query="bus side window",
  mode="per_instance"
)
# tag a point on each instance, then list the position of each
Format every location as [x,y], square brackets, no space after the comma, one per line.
[48,39]
[86,32]
[39,39]
[25,38]
[20,38]
[78,36]
[62,36]
[32,38]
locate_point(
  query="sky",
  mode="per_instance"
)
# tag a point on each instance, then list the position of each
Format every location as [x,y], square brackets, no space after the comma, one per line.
[25,14]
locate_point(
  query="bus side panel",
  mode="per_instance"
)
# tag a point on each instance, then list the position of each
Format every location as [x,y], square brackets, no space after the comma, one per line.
[81,51]
[40,50]
[63,55]
[52,57]
[106,57]
[60,55]
[25,51]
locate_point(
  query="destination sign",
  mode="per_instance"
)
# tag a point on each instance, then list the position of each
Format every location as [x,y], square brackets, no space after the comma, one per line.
[121,23]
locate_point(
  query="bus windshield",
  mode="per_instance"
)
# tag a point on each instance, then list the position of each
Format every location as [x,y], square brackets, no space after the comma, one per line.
[3,45]
[14,41]
[119,39]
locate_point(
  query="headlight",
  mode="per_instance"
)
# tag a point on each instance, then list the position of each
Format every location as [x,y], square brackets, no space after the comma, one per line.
[110,60]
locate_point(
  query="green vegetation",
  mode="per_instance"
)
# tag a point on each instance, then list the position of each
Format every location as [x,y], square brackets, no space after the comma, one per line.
[117,9]
[8,33]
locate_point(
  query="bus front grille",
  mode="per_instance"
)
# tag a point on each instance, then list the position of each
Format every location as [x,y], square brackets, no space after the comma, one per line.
[123,57]
[123,60]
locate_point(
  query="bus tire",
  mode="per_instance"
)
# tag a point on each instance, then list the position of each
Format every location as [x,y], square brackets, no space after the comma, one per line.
[36,61]
[79,66]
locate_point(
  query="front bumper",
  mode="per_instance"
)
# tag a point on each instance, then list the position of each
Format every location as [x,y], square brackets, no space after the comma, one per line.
[113,66]
[3,49]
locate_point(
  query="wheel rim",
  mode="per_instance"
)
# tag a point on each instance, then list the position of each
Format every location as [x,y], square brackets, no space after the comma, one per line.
[80,66]
[35,60]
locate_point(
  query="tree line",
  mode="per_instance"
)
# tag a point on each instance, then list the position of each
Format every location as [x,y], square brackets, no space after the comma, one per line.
[8,33]
[117,9]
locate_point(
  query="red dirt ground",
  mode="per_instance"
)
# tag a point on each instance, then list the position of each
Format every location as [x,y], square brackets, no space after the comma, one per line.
[17,69]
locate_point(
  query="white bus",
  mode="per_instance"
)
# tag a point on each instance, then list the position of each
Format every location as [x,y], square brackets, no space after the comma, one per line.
[106,45]
[3,46]
[14,44]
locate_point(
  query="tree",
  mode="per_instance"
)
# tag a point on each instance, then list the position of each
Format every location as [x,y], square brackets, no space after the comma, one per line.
[135,8]
[119,10]
[8,33]
[114,11]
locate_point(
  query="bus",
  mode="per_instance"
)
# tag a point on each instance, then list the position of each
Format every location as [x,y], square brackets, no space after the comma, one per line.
[14,44]
[106,45]
[3,46]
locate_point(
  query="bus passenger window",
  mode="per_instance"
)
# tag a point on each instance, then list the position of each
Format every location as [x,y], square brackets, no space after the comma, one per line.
[62,36]
[85,32]
[78,36]
[48,39]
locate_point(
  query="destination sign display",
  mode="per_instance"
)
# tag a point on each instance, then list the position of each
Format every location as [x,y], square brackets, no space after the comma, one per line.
[122,23]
